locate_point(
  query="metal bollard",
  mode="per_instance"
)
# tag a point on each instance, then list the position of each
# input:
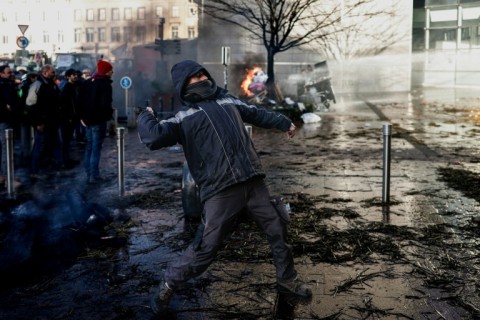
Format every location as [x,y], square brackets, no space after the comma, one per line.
[387,135]
[9,154]
[115,117]
[249,130]
[121,161]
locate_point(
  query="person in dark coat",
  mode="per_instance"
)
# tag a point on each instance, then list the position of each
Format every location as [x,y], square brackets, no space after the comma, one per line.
[95,111]
[9,113]
[43,103]
[25,125]
[69,98]
[226,167]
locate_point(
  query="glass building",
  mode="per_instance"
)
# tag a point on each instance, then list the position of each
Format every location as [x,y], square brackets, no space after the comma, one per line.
[448,31]
[446,24]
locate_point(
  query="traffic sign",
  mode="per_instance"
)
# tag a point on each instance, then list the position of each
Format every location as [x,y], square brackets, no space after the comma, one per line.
[23,28]
[22,42]
[126,82]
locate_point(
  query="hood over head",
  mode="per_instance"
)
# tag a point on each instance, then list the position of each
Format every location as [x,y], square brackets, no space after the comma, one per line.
[181,72]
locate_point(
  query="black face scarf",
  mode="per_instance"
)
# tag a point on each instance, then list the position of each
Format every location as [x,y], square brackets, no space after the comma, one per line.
[199,91]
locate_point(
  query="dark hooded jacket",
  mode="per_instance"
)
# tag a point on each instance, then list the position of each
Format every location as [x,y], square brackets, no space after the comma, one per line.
[43,102]
[96,96]
[9,96]
[217,147]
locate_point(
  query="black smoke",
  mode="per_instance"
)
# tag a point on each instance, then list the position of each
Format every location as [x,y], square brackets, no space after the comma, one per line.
[48,230]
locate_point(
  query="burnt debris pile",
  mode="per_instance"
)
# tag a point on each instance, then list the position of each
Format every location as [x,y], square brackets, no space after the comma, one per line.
[48,230]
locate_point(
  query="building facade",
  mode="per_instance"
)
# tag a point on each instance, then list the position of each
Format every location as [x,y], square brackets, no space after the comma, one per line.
[108,28]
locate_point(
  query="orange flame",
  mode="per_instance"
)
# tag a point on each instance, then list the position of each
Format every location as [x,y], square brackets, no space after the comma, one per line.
[248,80]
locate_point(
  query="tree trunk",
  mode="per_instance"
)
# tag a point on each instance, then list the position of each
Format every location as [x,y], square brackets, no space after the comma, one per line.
[271,74]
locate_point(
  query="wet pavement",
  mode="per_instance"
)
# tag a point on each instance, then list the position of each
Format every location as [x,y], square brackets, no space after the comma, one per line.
[416,258]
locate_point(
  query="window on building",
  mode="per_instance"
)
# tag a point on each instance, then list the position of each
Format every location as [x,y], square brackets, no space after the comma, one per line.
[434,2]
[5,39]
[127,12]
[470,16]
[46,37]
[60,37]
[89,35]
[4,17]
[443,18]
[175,12]
[174,32]
[102,14]
[192,11]
[102,35]
[141,13]
[115,14]
[90,15]
[418,3]
[443,38]
[77,35]
[141,34]
[115,34]
[191,32]
[159,11]
[127,34]
[77,15]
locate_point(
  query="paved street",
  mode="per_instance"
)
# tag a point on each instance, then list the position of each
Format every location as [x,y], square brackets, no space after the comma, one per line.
[416,258]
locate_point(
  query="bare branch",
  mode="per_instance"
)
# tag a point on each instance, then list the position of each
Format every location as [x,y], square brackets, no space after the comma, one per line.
[281,25]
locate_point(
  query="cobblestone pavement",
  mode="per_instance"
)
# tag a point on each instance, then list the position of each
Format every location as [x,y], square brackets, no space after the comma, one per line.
[332,175]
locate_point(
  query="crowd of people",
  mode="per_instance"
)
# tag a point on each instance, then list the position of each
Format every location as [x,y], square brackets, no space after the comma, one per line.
[56,111]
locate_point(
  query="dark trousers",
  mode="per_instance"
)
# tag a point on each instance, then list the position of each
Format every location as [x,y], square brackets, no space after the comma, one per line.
[66,130]
[93,150]
[47,146]
[220,213]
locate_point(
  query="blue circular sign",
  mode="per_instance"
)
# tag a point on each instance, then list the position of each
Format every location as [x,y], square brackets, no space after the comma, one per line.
[126,82]
[22,42]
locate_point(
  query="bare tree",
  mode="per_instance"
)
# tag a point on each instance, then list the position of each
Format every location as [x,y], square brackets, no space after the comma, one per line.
[284,24]
[365,31]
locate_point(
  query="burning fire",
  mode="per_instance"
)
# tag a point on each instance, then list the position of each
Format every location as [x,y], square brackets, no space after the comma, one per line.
[248,80]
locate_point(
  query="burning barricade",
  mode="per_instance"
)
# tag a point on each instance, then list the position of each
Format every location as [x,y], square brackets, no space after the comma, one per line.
[316,89]
[255,88]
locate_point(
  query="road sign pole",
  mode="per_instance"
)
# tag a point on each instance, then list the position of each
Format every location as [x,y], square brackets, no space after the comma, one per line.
[127,113]
[225,62]
[126,83]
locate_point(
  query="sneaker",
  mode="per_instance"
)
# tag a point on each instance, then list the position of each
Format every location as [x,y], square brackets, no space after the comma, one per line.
[294,287]
[161,299]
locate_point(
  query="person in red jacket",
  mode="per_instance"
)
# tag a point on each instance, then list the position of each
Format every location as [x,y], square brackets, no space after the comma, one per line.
[95,111]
